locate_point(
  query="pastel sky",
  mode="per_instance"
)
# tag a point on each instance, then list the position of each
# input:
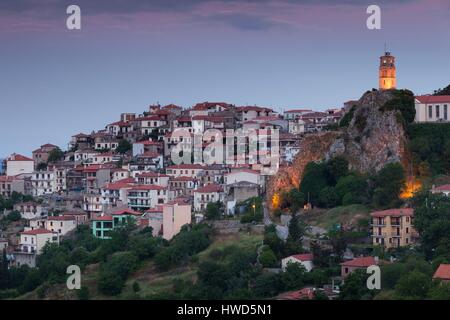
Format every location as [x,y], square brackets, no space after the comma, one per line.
[284,54]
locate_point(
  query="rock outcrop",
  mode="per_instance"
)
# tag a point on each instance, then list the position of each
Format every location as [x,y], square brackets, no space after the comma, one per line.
[372,139]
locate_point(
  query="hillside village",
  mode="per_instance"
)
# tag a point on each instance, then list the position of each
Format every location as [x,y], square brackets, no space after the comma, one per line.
[334,207]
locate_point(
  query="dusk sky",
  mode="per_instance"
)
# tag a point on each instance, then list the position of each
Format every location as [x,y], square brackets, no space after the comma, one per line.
[284,54]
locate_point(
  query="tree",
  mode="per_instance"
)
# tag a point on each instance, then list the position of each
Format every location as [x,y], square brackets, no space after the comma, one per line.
[124,146]
[55,155]
[352,189]
[413,285]
[336,169]
[267,258]
[297,229]
[213,210]
[314,180]
[296,199]
[328,197]
[4,272]
[355,287]
[439,291]
[442,92]
[432,221]
[388,185]
[294,276]
[267,285]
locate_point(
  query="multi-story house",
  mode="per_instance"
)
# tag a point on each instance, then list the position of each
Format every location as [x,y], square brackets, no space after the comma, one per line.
[251,112]
[41,155]
[43,183]
[61,224]
[207,194]
[175,215]
[119,128]
[185,170]
[150,124]
[153,178]
[432,108]
[295,113]
[142,197]
[393,227]
[18,164]
[31,244]
[29,210]
[115,194]
[147,161]
[103,224]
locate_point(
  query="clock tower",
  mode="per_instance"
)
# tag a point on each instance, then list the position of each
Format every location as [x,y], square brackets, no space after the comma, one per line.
[387,74]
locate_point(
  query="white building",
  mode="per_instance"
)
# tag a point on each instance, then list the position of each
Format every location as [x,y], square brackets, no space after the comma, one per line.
[306,260]
[43,182]
[61,224]
[240,175]
[207,194]
[444,189]
[185,170]
[31,244]
[29,210]
[141,197]
[432,108]
[17,164]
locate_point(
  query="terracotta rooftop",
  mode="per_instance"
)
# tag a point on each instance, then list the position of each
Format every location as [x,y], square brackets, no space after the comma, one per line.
[442,272]
[36,232]
[303,256]
[362,262]
[209,188]
[393,212]
[433,99]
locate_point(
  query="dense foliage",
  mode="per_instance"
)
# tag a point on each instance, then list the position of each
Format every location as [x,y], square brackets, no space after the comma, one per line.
[330,183]
[430,148]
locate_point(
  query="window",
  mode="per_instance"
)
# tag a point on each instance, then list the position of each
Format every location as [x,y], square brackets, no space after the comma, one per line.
[430,112]
[445,112]
[437,112]
[407,230]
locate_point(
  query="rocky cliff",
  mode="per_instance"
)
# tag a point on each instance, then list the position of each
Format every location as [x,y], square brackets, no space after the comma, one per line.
[372,139]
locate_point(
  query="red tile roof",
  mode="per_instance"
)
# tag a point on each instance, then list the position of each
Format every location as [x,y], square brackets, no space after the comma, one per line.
[442,272]
[445,187]
[126,212]
[393,212]
[151,175]
[298,111]
[303,256]
[18,157]
[172,106]
[61,218]
[186,166]
[433,99]
[209,188]
[362,262]
[149,118]
[242,170]
[146,187]
[103,218]
[253,108]
[6,179]
[36,232]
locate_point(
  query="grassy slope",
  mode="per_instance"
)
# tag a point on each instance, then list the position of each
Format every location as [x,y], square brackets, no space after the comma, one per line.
[151,280]
[344,214]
